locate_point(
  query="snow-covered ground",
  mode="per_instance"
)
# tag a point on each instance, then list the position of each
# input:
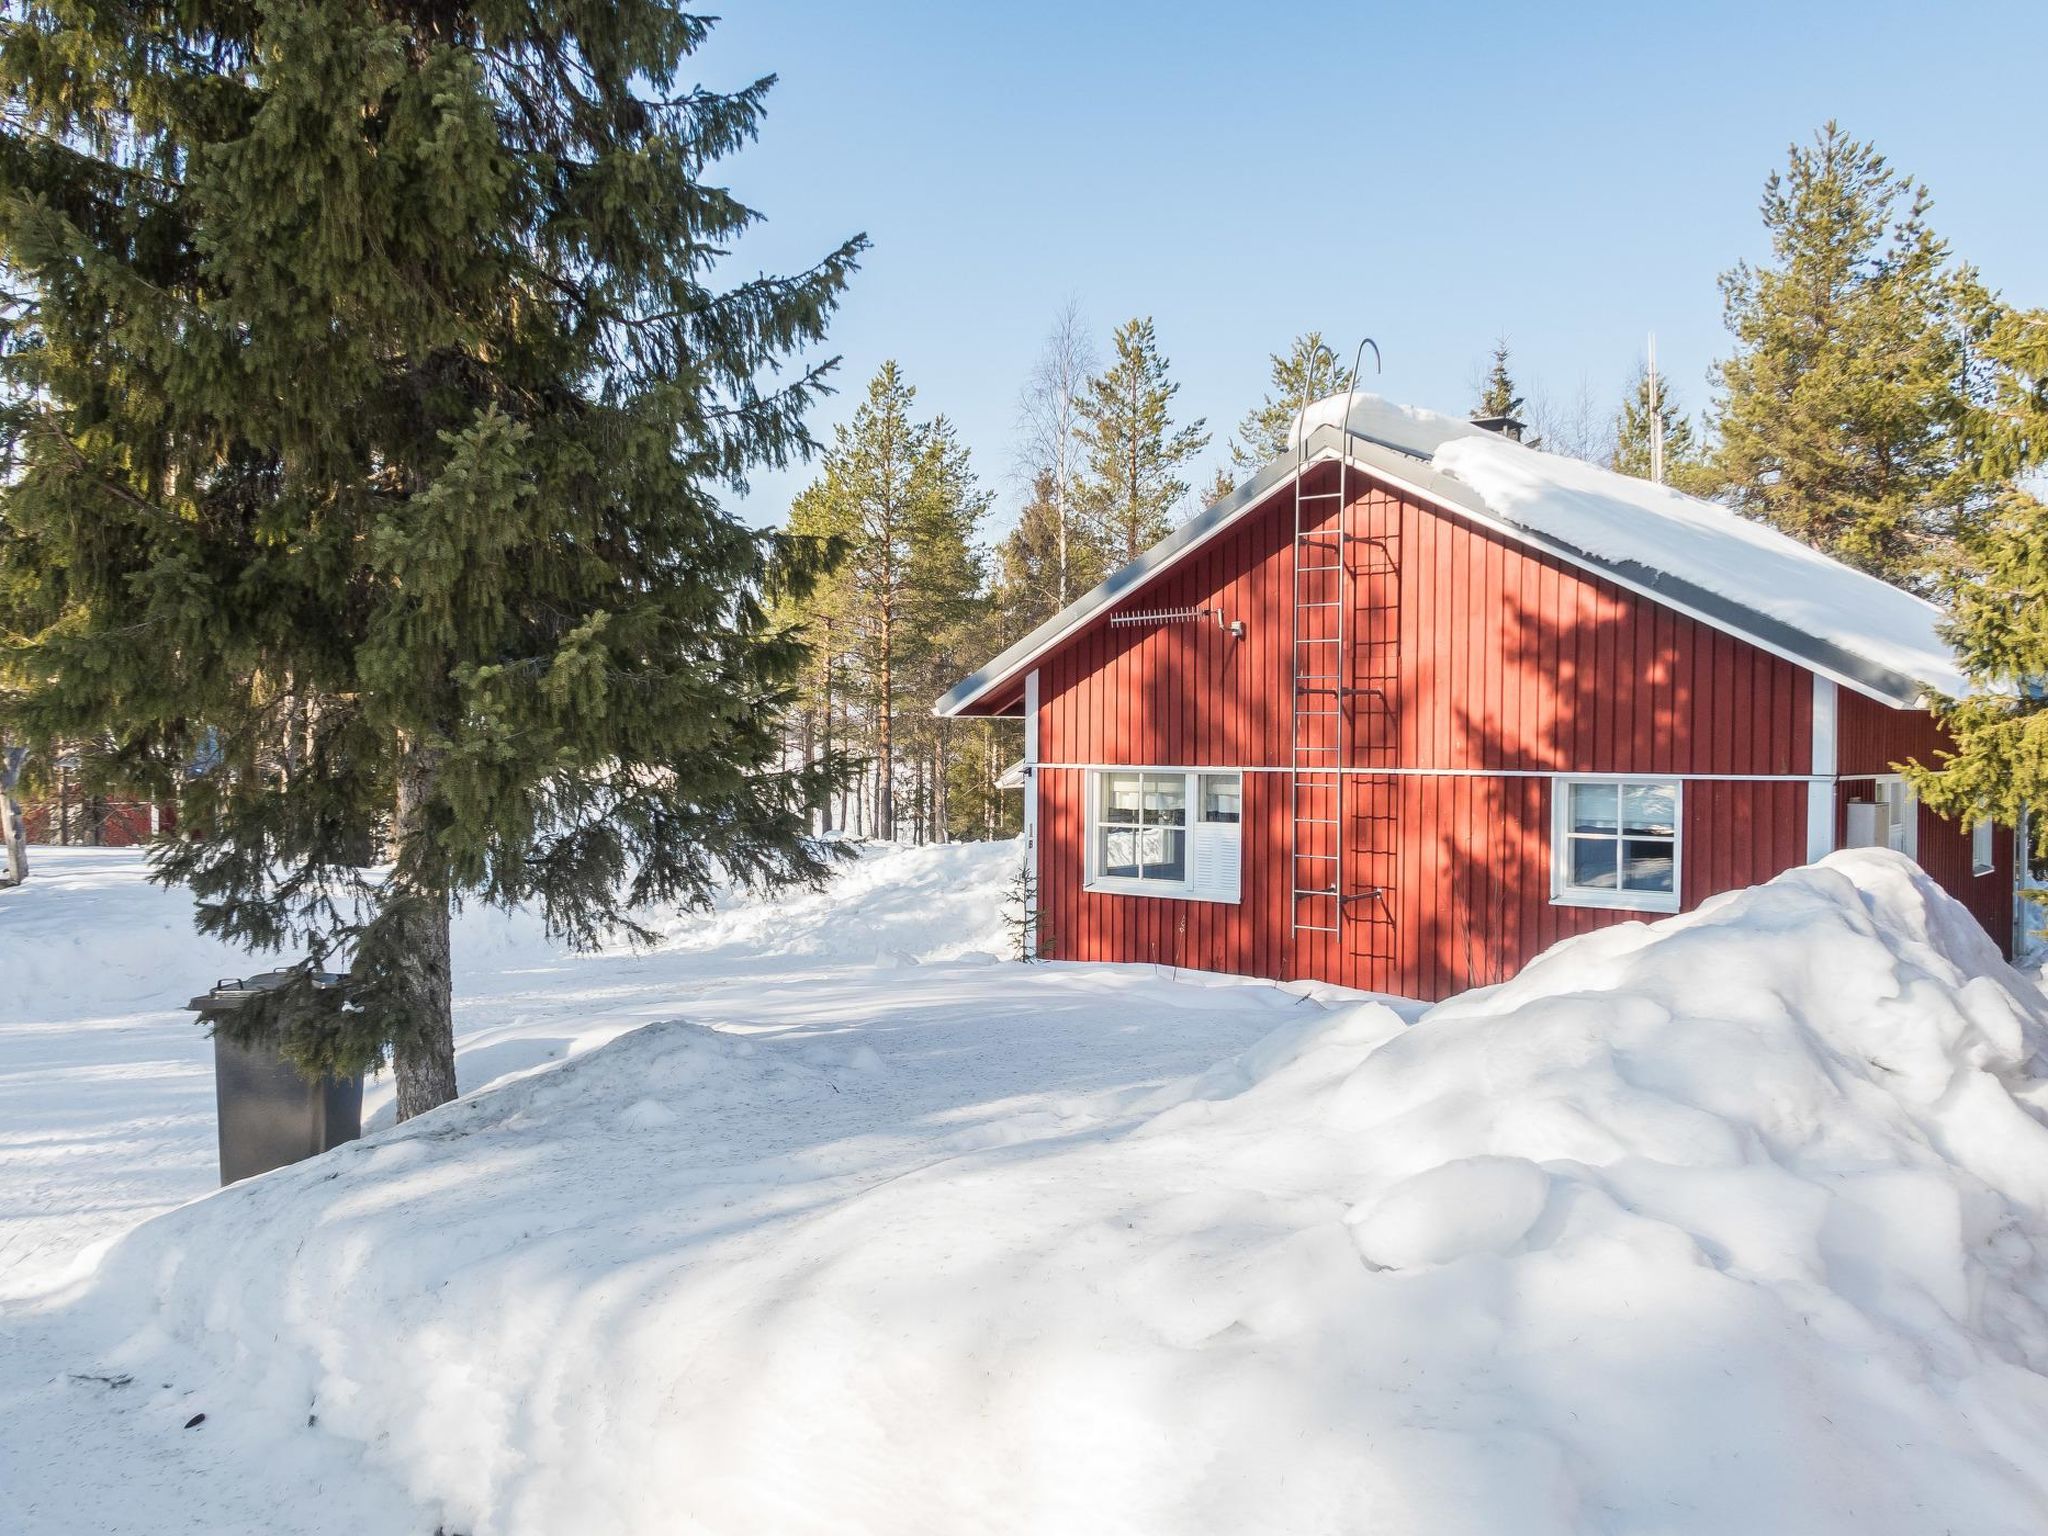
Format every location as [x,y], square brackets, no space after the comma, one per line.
[106,1085]
[1733,1223]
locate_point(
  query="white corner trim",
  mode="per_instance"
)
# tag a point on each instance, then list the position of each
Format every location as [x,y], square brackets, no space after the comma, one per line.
[1820,789]
[1820,820]
[1826,699]
[1031,718]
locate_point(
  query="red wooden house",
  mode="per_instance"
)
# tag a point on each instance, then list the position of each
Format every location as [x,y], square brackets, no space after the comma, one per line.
[1416,701]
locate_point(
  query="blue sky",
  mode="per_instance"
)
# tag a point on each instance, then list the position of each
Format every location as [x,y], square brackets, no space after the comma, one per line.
[1570,176]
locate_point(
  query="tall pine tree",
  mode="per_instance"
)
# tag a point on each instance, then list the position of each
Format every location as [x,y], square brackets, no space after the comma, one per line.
[945,604]
[1308,371]
[1843,406]
[369,396]
[1135,453]
[899,497]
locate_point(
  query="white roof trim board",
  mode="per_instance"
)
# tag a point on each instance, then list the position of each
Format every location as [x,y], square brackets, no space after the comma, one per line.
[1693,556]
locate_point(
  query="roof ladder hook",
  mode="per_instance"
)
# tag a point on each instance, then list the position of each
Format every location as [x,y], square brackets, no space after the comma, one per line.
[1351,390]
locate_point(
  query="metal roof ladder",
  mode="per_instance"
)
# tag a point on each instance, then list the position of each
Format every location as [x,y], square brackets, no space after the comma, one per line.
[1321,664]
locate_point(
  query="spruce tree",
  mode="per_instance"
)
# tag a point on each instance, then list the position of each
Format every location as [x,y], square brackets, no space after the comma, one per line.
[1027,572]
[369,398]
[1497,396]
[1135,453]
[1998,597]
[1633,432]
[1308,371]
[1842,407]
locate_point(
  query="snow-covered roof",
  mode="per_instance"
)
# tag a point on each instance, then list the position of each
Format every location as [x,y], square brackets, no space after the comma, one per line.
[1618,518]
[1695,556]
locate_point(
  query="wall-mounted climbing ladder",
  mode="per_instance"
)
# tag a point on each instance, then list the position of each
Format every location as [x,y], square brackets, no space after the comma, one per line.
[1321,665]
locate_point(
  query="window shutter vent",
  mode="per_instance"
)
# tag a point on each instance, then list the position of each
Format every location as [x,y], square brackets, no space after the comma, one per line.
[1217,856]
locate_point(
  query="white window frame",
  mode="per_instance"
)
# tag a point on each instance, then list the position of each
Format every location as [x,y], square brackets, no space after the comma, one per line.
[1186,889]
[1565,894]
[1984,848]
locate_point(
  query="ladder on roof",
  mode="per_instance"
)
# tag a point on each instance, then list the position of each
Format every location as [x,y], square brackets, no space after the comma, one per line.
[1320,663]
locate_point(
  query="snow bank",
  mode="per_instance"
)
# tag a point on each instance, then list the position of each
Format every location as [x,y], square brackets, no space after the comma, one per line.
[106,1084]
[1736,1222]
[1620,518]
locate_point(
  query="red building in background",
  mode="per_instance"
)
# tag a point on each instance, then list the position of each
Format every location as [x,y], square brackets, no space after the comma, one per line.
[1416,702]
[95,822]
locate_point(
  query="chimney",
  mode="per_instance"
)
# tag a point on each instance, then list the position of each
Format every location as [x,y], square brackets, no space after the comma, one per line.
[1509,427]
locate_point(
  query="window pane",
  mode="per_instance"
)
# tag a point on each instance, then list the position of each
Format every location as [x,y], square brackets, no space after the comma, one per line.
[1592,808]
[1120,797]
[1650,809]
[1166,800]
[1166,853]
[1120,852]
[1222,797]
[1646,865]
[1594,862]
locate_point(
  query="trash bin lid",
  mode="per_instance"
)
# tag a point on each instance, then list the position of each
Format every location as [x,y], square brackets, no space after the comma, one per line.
[233,991]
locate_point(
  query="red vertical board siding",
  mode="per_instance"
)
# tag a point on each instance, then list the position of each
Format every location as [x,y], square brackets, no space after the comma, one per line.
[1874,738]
[1499,661]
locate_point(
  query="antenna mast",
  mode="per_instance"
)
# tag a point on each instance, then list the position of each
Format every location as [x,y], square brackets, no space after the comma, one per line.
[1656,418]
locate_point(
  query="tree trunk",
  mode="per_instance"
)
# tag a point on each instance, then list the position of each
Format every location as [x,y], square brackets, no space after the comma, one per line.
[423,1058]
[13,829]
[845,785]
[825,810]
[885,797]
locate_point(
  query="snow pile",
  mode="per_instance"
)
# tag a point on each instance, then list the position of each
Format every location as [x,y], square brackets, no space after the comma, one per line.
[1620,518]
[1737,1222]
[106,1083]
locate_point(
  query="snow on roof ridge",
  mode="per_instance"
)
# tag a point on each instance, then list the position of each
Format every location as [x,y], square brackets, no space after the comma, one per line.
[1618,518]
[1411,429]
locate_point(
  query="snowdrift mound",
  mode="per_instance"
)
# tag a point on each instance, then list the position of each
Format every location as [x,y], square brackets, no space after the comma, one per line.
[1735,1222]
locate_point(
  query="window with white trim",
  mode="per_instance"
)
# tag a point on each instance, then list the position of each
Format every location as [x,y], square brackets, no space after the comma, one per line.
[1983,852]
[1166,832]
[1615,843]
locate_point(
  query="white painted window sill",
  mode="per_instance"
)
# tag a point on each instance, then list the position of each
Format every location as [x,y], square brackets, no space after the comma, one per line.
[1620,901]
[1168,890]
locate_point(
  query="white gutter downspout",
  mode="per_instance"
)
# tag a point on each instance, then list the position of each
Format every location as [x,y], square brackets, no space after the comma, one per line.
[1031,812]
